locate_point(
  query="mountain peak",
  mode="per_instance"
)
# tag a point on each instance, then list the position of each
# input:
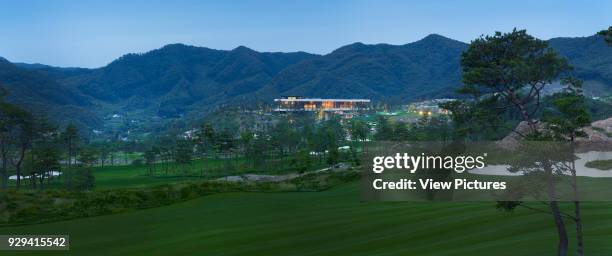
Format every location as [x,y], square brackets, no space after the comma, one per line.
[175,45]
[437,41]
[179,47]
[350,48]
[437,38]
[244,49]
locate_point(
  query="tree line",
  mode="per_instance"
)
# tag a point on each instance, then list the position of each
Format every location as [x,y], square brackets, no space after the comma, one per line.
[32,150]
[292,143]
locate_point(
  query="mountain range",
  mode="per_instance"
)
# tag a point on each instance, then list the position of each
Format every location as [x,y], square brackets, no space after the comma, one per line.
[180,80]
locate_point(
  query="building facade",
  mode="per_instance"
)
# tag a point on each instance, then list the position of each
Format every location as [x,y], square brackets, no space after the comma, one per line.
[297,104]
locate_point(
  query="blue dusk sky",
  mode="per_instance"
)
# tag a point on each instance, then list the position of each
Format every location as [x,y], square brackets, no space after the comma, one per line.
[93,33]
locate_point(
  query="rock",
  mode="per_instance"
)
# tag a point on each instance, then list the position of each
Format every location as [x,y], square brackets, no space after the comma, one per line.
[511,141]
[605,124]
[597,133]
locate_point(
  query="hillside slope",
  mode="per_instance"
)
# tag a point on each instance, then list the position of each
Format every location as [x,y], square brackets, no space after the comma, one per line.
[178,80]
[43,95]
[381,72]
[169,80]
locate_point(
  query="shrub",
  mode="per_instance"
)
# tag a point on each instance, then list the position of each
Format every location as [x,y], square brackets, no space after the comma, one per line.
[35,206]
[137,162]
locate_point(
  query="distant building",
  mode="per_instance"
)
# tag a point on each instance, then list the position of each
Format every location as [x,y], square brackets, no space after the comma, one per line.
[429,107]
[291,104]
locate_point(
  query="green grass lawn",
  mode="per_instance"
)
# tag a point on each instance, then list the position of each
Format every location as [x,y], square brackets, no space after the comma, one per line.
[117,177]
[121,176]
[604,165]
[135,176]
[332,222]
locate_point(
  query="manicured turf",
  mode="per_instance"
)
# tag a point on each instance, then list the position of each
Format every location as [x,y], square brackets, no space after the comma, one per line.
[127,176]
[604,165]
[121,176]
[332,222]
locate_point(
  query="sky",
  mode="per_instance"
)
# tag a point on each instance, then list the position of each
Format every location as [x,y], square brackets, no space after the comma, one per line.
[94,33]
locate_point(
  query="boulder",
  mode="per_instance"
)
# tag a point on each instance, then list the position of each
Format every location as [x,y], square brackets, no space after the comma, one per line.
[597,133]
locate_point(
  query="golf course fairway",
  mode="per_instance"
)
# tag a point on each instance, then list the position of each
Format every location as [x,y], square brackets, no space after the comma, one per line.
[332,222]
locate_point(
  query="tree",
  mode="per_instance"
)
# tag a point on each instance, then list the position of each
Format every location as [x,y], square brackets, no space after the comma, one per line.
[47,159]
[129,147]
[150,158]
[205,143]
[4,128]
[319,142]
[205,139]
[607,35]
[45,153]
[513,69]
[359,131]
[18,134]
[246,141]
[332,147]
[104,152]
[475,120]
[566,121]
[384,131]
[400,131]
[70,137]
[81,179]
[283,138]
[88,156]
[19,131]
[167,152]
[183,152]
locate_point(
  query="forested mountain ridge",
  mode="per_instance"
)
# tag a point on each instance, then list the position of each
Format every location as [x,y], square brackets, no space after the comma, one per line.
[42,94]
[382,72]
[178,80]
[591,58]
[176,76]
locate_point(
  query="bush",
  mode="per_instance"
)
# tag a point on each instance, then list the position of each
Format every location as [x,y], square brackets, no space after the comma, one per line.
[137,162]
[20,207]
[81,180]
